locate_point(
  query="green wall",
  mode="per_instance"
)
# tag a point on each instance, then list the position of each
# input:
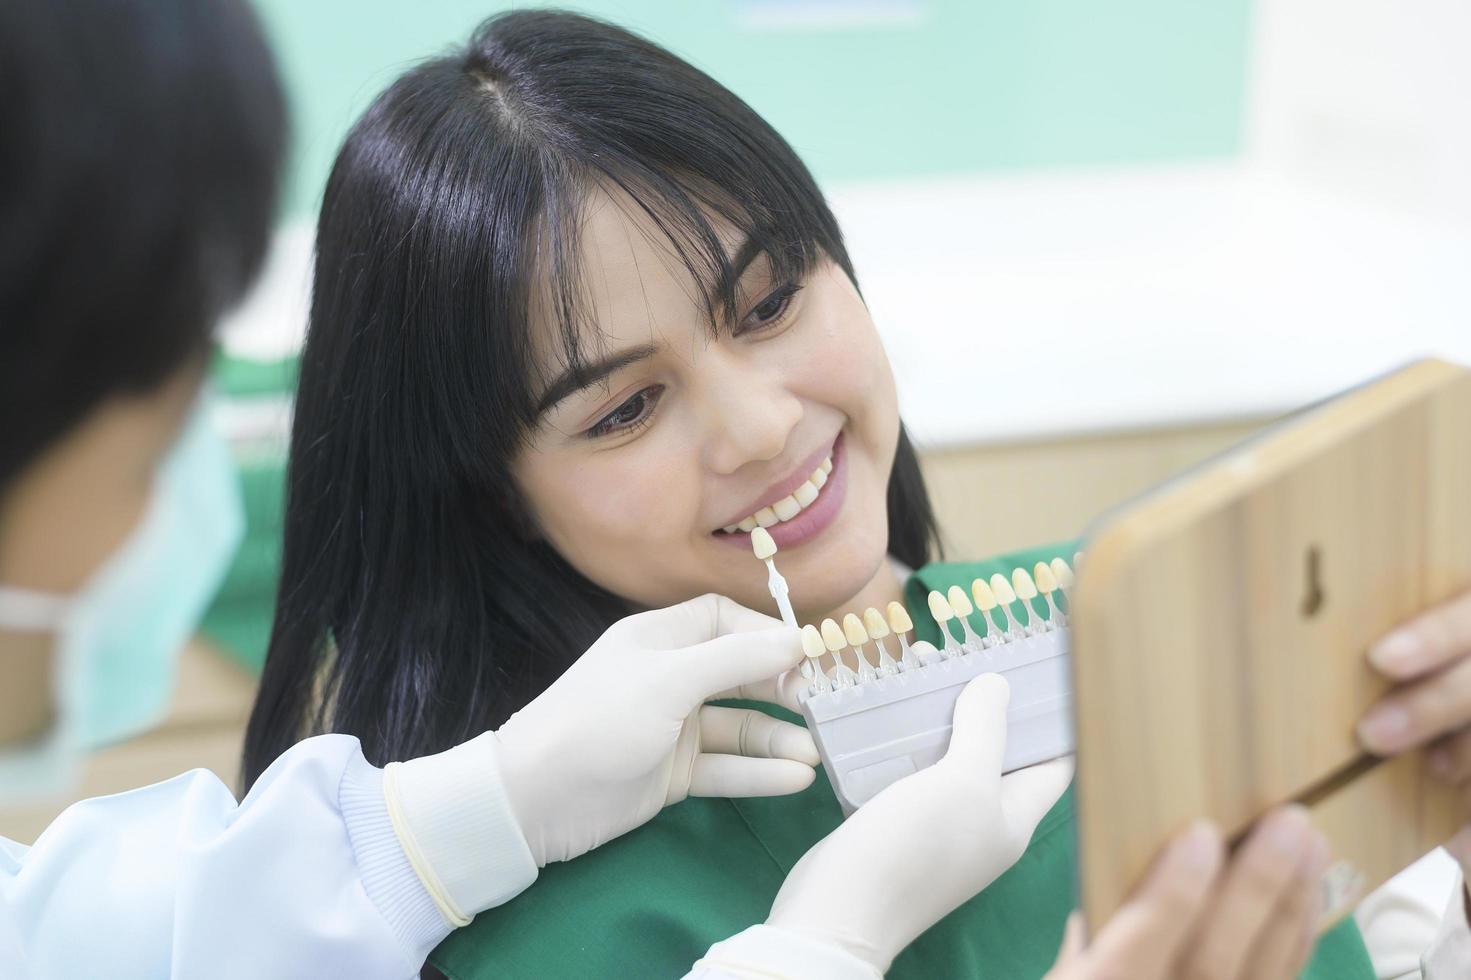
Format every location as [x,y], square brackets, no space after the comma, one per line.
[947,86]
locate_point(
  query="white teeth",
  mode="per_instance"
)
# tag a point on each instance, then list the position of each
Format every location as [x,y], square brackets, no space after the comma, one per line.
[789,506]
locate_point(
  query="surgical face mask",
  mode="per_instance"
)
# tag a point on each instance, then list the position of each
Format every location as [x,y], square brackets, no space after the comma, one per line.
[119,637]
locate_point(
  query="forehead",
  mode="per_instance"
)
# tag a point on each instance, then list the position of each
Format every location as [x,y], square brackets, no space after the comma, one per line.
[631,282]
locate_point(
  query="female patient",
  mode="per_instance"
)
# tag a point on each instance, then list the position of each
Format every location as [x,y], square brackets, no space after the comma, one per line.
[580,318]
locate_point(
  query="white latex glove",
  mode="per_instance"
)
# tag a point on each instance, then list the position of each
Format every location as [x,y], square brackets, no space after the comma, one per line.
[625,731]
[924,845]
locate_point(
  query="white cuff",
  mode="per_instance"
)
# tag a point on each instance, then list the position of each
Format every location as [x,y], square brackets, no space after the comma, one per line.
[768,953]
[387,876]
[458,829]
[1449,955]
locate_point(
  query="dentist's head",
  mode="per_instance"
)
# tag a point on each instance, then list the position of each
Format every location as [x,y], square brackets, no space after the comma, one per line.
[140,143]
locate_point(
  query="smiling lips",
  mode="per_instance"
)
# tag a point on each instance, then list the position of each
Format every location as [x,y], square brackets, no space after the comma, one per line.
[789,506]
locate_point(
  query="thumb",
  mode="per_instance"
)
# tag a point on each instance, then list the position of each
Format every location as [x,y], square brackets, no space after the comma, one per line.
[693,621]
[978,738]
[736,660]
[1027,794]
[1074,938]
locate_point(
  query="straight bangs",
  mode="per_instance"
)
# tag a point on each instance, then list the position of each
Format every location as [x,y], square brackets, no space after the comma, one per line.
[693,163]
[712,234]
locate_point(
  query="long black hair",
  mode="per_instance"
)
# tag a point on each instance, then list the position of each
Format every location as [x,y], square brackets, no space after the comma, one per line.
[413,602]
[140,148]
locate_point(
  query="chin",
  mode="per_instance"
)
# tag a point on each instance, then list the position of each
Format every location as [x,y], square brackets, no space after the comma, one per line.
[833,585]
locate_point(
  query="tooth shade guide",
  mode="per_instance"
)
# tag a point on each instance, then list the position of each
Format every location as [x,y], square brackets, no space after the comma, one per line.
[899,620]
[835,642]
[1047,584]
[887,664]
[874,622]
[942,613]
[985,602]
[1026,591]
[856,636]
[958,601]
[871,734]
[1004,598]
[901,624]
[764,548]
[1063,574]
[1002,590]
[1022,585]
[814,648]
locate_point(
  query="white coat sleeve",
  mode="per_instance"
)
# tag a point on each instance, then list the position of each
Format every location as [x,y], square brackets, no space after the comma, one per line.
[1449,955]
[1411,935]
[311,875]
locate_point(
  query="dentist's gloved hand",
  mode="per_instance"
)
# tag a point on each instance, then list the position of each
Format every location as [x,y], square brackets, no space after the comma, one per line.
[625,731]
[924,845]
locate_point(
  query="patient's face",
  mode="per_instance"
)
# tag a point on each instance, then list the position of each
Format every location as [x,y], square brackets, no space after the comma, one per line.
[637,479]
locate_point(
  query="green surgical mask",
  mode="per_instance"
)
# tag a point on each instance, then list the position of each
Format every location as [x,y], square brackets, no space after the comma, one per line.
[119,637]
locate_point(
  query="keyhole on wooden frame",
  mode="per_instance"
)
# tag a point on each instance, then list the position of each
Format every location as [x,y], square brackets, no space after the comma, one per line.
[1313,595]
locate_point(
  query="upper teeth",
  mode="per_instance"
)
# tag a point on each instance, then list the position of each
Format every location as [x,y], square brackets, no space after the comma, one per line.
[789,506]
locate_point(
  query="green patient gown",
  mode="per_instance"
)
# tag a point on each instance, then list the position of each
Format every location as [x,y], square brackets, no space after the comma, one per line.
[650,903]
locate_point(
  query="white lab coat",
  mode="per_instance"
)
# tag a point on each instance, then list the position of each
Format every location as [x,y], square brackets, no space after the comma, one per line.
[305,878]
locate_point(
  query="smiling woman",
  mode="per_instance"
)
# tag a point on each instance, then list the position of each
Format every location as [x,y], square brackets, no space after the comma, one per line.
[581,321]
[576,309]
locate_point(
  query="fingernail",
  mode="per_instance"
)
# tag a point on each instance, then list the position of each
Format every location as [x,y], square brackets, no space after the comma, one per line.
[1397,652]
[1288,831]
[1384,728]
[1199,847]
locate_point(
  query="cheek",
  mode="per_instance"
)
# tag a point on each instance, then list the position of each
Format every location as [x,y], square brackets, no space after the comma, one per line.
[841,362]
[606,513]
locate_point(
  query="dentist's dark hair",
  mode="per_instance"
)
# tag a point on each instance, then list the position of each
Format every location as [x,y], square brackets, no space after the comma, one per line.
[140,146]
[417,606]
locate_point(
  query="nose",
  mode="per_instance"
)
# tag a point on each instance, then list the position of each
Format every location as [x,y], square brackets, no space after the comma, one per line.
[749,415]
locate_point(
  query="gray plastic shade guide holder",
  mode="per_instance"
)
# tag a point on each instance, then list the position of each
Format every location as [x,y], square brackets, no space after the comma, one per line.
[873,734]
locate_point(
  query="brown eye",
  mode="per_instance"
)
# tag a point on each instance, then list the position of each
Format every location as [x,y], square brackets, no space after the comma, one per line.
[771,310]
[636,411]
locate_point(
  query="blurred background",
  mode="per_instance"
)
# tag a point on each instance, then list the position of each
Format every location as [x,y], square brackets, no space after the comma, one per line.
[1101,241]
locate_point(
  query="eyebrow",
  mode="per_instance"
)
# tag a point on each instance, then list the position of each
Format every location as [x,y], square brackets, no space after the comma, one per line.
[585,376]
